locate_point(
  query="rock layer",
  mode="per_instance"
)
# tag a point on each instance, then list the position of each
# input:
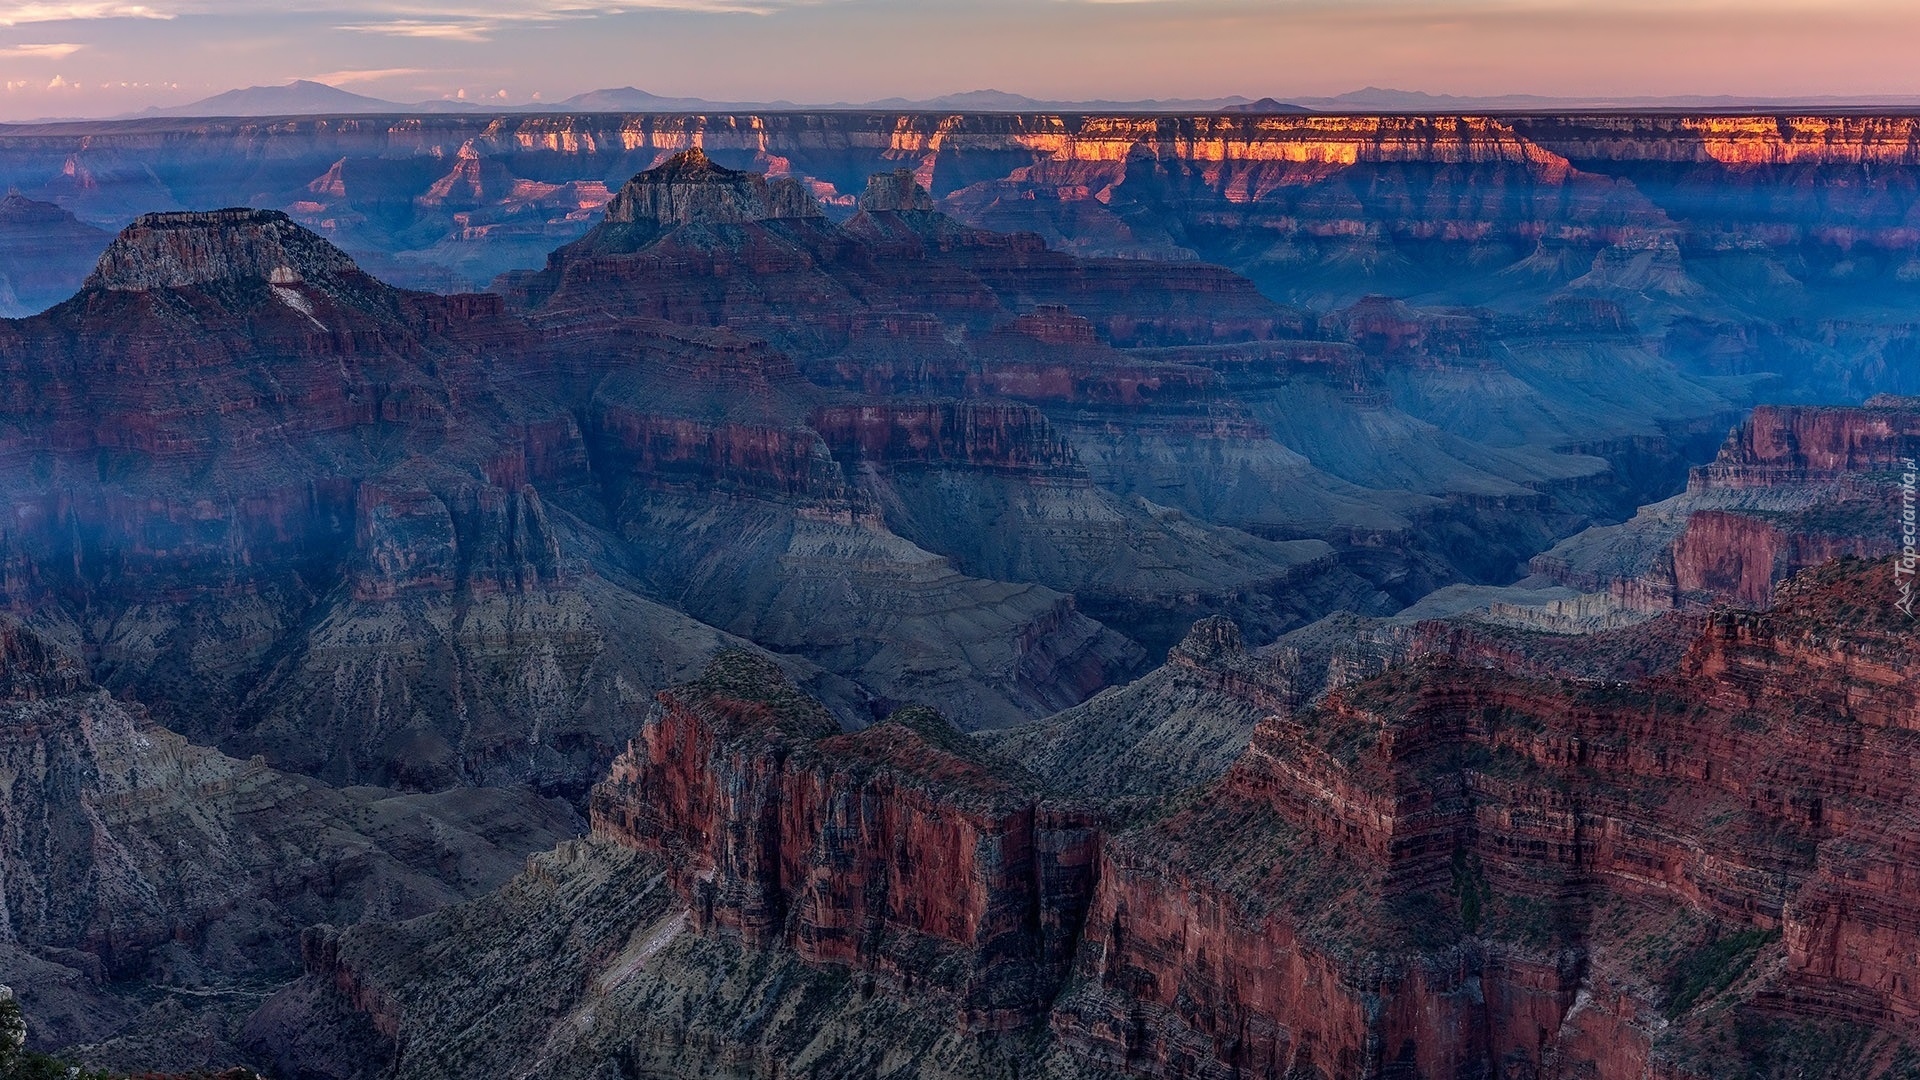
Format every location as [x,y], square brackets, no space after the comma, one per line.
[1444,870]
[1792,487]
[897,849]
[135,856]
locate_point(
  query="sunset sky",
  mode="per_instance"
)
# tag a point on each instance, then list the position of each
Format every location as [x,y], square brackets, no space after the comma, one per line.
[102,57]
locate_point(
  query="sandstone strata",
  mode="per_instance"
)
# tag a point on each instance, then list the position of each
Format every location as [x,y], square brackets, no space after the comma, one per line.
[1791,487]
[1443,870]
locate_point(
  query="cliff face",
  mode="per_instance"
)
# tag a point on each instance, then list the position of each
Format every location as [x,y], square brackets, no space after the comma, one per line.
[1443,870]
[1781,445]
[1470,827]
[44,252]
[1009,437]
[1734,558]
[137,855]
[1791,487]
[895,850]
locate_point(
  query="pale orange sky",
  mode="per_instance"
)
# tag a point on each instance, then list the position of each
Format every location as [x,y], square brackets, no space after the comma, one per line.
[98,57]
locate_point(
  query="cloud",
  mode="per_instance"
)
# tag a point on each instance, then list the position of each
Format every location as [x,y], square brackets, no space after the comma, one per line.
[421,28]
[356,75]
[39,52]
[479,22]
[16,12]
[472,21]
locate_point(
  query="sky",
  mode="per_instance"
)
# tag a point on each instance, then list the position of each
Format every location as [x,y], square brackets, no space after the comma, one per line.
[107,57]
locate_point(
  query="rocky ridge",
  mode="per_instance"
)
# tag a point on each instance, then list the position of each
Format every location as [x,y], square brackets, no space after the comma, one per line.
[1418,875]
[439,542]
[1792,487]
[44,252]
[137,857]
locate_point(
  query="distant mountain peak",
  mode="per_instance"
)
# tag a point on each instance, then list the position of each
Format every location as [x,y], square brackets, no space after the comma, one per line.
[1266,105]
[301,97]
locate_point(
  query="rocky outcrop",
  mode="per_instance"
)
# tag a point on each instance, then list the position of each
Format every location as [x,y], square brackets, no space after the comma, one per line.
[177,250]
[1792,487]
[1179,726]
[33,669]
[1779,446]
[1443,870]
[896,192]
[899,849]
[689,188]
[477,541]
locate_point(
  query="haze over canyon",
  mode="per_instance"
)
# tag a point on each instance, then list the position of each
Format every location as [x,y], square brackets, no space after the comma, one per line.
[893,593]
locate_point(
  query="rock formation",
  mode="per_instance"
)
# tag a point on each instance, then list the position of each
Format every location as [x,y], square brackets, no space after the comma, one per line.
[134,855]
[1792,487]
[1179,726]
[1442,870]
[44,253]
[690,189]
[926,490]
[847,848]
[178,250]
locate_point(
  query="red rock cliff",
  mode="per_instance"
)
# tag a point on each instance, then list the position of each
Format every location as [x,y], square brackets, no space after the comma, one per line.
[1782,444]
[1409,877]
[897,849]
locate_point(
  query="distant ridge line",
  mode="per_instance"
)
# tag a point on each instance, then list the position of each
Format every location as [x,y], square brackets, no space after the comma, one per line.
[306,97]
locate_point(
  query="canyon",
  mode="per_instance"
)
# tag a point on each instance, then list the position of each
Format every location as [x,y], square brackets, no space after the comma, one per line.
[1791,488]
[960,596]
[1442,870]
[1737,244]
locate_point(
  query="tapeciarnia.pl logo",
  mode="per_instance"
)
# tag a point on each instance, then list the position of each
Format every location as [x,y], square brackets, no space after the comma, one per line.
[1903,570]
